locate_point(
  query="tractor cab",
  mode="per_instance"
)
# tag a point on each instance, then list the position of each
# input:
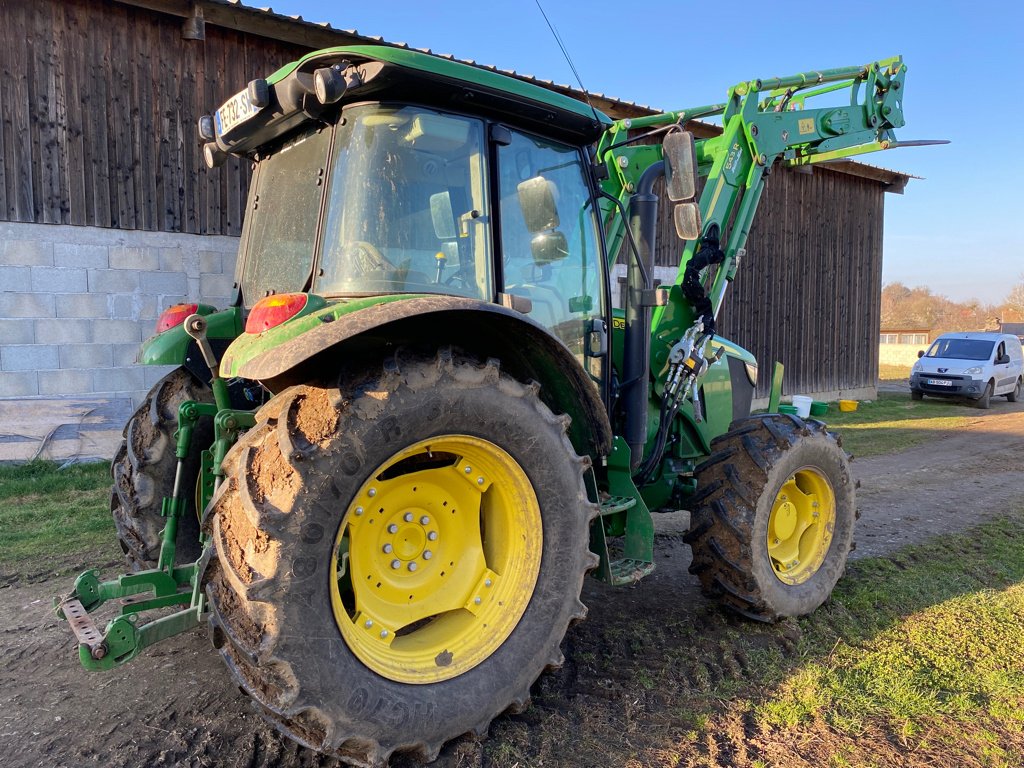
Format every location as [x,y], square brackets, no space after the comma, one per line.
[449,192]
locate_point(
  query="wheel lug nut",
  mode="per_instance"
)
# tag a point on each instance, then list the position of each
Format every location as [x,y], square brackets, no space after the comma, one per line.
[488,583]
[468,470]
[392,528]
[412,566]
[383,633]
[424,520]
[407,517]
[396,564]
[427,554]
[369,623]
[479,481]
[359,511]
[432,535]
[477,600]
[387,549]
[372,492]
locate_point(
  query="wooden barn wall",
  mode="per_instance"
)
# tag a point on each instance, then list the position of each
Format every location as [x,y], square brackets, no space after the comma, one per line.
[808,291]
[99,103]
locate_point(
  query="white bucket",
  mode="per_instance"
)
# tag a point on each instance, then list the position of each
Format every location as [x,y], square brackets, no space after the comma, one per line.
[802,403]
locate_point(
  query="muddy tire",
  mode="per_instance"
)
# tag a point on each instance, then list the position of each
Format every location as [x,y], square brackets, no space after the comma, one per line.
[773,517]
[349,507]
[143,472]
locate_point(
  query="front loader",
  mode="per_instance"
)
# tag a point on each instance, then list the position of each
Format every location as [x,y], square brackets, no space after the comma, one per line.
[381,475]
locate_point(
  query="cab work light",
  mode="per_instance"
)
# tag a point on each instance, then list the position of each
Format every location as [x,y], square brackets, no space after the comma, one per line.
[174,315]
[274,310]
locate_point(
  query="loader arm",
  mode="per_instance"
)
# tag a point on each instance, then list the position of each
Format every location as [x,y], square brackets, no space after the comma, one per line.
[763,122]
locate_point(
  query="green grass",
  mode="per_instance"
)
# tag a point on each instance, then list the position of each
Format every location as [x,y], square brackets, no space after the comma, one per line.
[894,422]
[924,646]
[51,517]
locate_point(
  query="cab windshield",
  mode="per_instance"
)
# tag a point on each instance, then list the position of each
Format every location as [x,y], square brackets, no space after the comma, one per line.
[962,349]
[407,208]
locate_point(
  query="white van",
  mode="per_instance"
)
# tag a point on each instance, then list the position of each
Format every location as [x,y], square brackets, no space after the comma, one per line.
[977,366]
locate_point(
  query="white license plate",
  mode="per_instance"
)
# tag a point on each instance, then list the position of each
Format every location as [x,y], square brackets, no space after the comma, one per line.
[234,112]
[940,382]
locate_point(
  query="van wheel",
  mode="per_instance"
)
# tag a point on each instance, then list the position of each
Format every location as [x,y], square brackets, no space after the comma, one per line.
[1014,396]
[916,394]
[983,401]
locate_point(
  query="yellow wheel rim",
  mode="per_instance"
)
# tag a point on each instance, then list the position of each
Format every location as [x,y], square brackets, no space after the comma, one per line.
[436,559]
[801,525]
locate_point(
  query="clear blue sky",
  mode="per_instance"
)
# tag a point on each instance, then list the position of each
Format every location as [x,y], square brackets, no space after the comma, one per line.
[957,231]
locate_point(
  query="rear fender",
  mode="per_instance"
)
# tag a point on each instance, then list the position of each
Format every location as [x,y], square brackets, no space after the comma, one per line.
[526,349]
[175,347]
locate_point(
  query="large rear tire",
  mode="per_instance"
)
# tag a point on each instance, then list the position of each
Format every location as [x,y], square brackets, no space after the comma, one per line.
[396,559]
[774,516]
[143,472]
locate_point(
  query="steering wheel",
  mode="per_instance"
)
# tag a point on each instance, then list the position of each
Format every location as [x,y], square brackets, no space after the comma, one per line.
[359,257]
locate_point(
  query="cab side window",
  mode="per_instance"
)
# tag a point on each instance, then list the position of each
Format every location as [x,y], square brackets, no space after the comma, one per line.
[549,242]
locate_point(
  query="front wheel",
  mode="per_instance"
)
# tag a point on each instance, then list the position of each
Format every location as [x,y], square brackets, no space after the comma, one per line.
[397,558]
[985,400]
[774,517]
[1014,395]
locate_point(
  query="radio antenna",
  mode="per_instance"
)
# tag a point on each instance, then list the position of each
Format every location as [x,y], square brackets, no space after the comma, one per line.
[558,39]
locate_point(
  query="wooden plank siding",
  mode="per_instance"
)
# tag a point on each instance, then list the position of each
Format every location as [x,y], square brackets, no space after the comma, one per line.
[808,290]
[98,110]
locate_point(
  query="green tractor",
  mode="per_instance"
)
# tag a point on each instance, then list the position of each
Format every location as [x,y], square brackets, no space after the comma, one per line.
[382,475]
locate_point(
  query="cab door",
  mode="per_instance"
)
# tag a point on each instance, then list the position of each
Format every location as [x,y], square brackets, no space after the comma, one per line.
[550,246]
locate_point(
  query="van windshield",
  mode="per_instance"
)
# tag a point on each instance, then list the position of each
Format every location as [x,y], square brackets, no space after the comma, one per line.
[962,349]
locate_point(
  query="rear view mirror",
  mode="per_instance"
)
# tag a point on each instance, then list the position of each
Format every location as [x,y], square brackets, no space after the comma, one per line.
[687,220]
[548,247]
[680,166]
[920,353]
[537,201]
[442,215]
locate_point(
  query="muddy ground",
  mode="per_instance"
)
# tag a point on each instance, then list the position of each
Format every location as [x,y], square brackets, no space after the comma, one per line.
[177,705]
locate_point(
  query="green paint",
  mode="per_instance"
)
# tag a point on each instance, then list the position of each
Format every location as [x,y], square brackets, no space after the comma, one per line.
[171,346]
[249,346]
[435,65]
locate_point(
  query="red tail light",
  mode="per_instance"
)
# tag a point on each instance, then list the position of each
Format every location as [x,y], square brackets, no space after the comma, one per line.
[274,310]
[175,315]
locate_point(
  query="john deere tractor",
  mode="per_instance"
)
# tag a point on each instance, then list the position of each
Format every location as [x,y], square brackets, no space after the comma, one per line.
[382,474]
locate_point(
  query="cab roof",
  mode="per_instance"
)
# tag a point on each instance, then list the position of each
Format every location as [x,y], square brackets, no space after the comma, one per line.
[397,75]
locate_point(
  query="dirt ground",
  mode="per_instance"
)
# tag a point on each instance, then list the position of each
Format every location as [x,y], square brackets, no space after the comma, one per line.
[177,705]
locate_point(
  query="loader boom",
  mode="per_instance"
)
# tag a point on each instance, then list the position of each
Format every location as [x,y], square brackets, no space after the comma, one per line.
[764,122]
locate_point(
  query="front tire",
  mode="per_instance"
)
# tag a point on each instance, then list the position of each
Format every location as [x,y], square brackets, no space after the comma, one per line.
[985,400]
[774,517]
[1014,396]
[143,472]
[916,394]
[324,602]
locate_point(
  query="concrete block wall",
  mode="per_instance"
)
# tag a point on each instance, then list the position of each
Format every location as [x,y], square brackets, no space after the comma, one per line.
[75,303]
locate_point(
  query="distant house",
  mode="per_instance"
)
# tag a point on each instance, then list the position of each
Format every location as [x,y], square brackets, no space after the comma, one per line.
[1017,329]
[919,336]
